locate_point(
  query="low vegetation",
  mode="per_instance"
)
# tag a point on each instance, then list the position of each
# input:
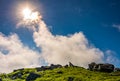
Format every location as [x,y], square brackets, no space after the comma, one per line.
[60,74]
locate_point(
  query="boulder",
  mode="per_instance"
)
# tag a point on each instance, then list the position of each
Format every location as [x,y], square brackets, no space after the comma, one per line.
[18,70]
[117,69]
[52,66]
[91,66]
[17,75]
[66,66]
[32,76]
[38,69]
[0,79]
[101,67]
[105,67]
[70,64]
[42,68]
[70,78]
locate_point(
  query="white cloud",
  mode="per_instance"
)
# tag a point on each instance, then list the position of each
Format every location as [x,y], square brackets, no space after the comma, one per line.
[56,49]
[62,49]
[116,26]
[111,57]
[14,55]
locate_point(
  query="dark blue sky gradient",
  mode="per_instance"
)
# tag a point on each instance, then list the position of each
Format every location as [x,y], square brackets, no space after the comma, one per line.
[93,17]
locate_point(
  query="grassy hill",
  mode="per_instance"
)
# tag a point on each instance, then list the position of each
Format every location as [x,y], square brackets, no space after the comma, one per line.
[62,74]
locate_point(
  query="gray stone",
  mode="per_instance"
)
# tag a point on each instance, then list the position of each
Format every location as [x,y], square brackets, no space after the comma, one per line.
[32,76]
[17,75]
[66,66]
[51,67]
[0,79]
[70,64]
[18,70]
[91,66]
[70,78]
[117,69]
[101,67]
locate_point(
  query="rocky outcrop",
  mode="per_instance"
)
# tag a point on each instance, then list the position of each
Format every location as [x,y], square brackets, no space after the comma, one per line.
[91,66]
[18,70]
[66,66]
[51,67]
[70,78]
[70,64]
[101,67]
[16,75]
[32,76]
[117,69]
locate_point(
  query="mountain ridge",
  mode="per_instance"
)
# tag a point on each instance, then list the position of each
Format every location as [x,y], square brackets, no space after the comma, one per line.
[60,73]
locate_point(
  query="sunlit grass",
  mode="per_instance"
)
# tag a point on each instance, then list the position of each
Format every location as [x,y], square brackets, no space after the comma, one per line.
[77,73]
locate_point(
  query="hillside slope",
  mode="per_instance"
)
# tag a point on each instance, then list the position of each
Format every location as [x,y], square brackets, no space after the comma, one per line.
[61,74]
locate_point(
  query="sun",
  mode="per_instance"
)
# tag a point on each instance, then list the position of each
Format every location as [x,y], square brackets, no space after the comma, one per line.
[29,15]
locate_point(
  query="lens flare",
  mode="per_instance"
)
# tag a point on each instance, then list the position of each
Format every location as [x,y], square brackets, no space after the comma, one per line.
[29,15]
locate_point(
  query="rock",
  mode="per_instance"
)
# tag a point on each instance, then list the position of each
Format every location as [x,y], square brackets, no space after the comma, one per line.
[117,69]
[70,64]
[15,70]
[101,67]
[17,75]
[70,78]
[66,66]
[91,66]
[105,67]
[60,72]
[13,77]
[32,76]
[38,69]
[18,70]
[51,67]
[43,68]
[0,79]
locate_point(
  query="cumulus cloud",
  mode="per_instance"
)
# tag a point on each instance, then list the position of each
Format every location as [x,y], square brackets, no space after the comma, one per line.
[30,19]
[111,57]
[14,55]
[56,49]
[63,49]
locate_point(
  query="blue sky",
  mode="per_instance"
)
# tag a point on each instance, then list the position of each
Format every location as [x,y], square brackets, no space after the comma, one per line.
[99,20]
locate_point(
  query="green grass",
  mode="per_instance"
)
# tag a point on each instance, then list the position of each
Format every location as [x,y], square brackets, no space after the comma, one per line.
[77,73]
